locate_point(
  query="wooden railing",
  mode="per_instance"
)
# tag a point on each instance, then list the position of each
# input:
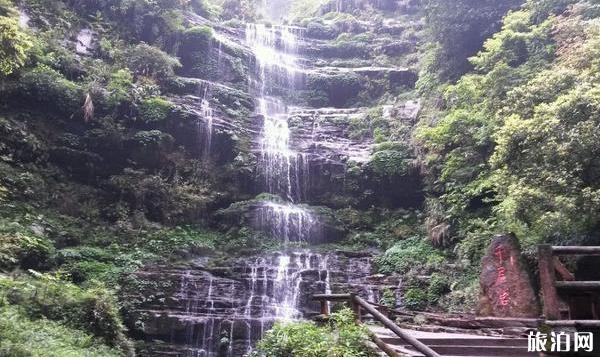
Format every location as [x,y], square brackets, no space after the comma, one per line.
[556,279]
[358,305]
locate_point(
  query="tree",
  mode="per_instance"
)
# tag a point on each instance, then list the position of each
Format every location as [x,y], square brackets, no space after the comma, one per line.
[459,27]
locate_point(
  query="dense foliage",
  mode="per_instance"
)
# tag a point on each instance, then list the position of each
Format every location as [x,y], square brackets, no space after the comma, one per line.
[15,44]
[458,29]
[513,150]
[340,337]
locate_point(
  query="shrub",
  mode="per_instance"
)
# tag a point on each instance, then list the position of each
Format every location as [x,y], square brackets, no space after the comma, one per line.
[341,337]
[155,110]
[47,86]
[84,270]
[206,8]
[341,89]
[152,138]
[146,60]
[415,298]
[412,253]
[388,298]
[387,163]
[20,247]
[463,294]
[438,285]
[198,34]
[301,9]
[119,88]
[21,336]
[166,241]
[321,31]
[93,310]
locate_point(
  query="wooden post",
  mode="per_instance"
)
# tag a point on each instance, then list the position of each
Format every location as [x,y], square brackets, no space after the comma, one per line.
[324,307]
[548,282]
[355,307]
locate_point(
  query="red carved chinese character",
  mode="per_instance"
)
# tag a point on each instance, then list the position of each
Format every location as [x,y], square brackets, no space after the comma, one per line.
[504,298]
[499,253]
[501,275]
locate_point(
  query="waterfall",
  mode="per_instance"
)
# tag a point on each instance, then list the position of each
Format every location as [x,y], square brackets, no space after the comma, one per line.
[324,267]
[204,120]
[276,68]
[224,310]
[290,223]
[284,170]
[199,333]
[276,286]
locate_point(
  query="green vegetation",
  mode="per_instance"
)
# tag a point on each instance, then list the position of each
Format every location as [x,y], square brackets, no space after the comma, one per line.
[14,45]
[340,337]
[303,8]
[411,253]
[155,109]
[458,29]
[104,169]
[47,86]
[22,336]
[146,60]
[92,310]
[512,151]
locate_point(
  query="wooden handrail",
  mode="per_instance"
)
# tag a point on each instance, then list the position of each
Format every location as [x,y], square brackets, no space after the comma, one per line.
[332,297]
[358,304]
[578,285]
[575,250]
[418,345]
[574,323]
[550,265]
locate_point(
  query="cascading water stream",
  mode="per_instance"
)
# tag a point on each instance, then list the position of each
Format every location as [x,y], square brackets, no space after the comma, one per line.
[207,113]
[225,310]
[284,170]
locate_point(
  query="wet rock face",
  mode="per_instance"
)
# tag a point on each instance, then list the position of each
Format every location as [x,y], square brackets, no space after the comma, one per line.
[207,310]
[325,135]
[506,289]
[293,224]
[283,221]
[331,146]
[86,42]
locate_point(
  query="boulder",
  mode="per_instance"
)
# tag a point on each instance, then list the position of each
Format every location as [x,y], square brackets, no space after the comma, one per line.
[506,289]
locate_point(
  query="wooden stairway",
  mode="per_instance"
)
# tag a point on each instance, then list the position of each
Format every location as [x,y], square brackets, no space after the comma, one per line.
[392,340]
[451,345]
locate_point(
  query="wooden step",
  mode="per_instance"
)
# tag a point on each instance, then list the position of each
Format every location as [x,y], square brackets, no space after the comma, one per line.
[478,351]
[454,344]
[495,342]
[475,351]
